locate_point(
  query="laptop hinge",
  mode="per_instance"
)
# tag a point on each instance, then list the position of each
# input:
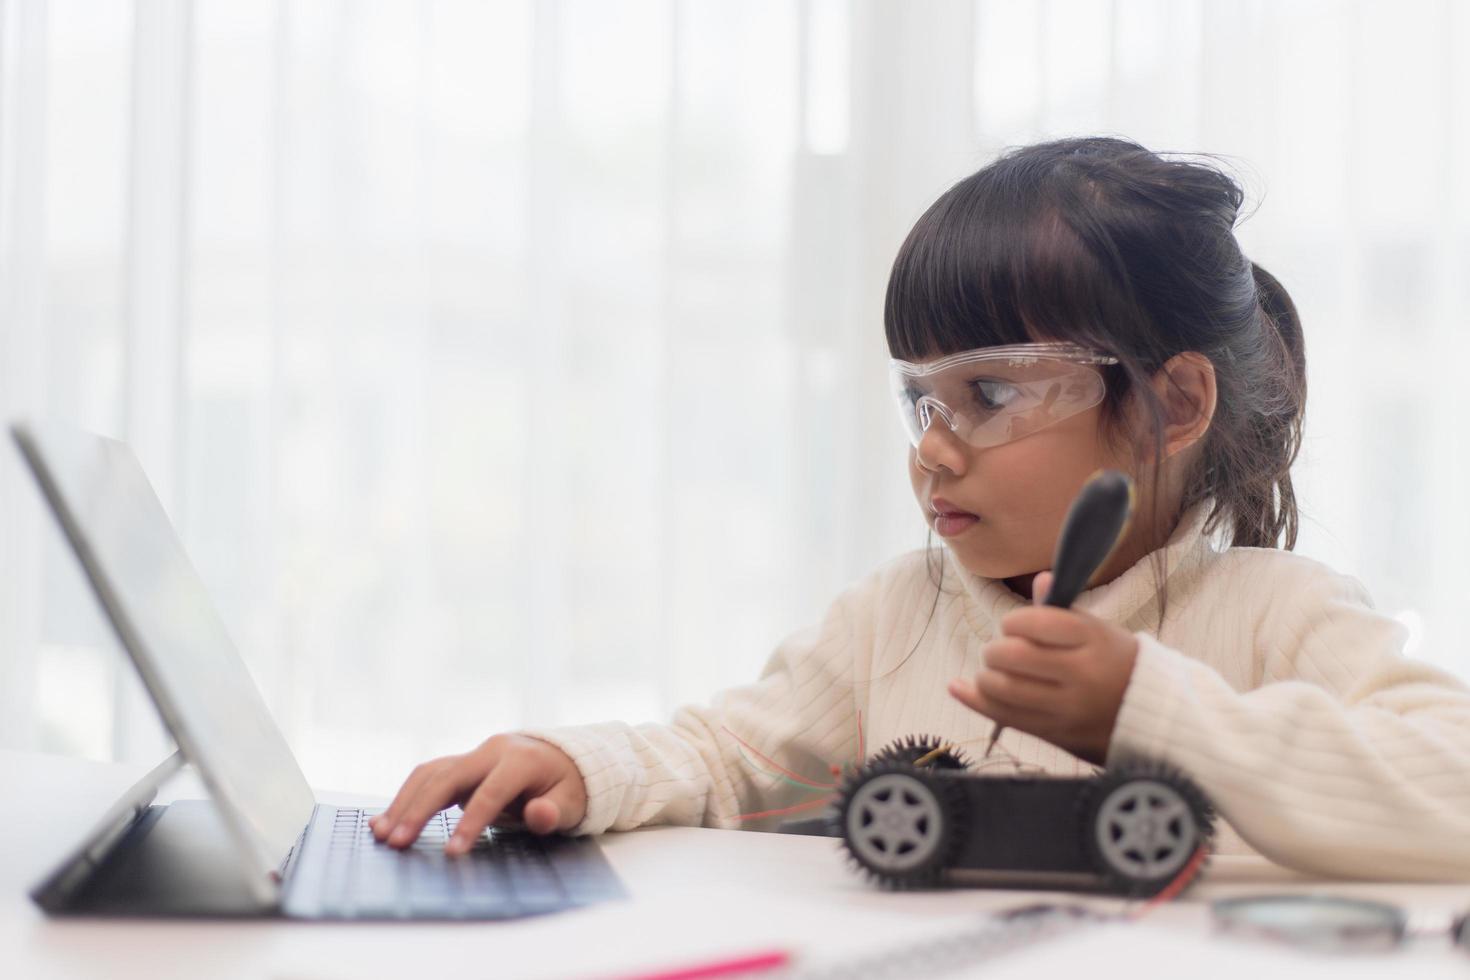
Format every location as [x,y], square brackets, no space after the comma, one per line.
[283,873]
[56,891]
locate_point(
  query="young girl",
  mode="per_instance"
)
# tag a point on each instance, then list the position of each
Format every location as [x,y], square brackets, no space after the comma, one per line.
[1072,306]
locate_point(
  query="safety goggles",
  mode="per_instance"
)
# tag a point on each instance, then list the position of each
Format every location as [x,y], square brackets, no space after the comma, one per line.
[995,395]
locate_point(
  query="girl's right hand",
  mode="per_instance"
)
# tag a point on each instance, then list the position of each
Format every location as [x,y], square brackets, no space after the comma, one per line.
[507,776]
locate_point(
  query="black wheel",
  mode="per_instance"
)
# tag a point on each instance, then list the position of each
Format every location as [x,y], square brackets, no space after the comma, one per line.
[900,823]
[912,748]
[1142,824]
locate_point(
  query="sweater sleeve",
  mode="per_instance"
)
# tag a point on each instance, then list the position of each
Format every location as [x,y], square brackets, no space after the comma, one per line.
[706,766]
[1348,759]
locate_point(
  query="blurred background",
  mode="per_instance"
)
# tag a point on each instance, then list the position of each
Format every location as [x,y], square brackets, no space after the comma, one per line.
[522,362]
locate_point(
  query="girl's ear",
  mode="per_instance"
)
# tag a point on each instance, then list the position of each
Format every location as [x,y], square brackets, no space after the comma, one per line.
[1185,387]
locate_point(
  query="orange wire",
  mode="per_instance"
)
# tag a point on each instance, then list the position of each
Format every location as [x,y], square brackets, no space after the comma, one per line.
[808,805]
[772,762]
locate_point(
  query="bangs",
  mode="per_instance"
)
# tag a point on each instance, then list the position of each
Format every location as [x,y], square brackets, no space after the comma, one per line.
[994,262]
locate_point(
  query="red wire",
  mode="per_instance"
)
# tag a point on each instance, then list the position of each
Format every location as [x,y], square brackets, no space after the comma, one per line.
[1176,886]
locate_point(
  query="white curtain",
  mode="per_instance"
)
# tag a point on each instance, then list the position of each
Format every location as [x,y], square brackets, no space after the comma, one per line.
[522,362]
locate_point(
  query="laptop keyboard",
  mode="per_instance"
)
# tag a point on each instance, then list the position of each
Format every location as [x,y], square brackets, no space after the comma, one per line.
[506,873]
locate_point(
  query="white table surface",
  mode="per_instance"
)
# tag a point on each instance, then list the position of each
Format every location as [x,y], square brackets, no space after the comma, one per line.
[696,895]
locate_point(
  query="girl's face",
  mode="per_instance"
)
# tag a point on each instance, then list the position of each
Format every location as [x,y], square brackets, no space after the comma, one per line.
[1000,509]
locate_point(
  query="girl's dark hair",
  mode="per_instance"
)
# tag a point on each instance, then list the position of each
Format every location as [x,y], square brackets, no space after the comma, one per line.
[1100,242]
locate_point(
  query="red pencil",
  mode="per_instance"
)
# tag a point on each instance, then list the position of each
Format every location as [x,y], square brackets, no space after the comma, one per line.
[721,968]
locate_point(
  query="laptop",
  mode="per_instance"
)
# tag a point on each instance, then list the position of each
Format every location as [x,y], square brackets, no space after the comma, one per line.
[261,845]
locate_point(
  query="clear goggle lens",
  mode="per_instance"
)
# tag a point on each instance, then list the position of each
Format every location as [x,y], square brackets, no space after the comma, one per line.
[996,395]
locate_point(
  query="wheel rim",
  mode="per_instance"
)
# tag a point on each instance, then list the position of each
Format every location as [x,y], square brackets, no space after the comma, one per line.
[894,823]
[1146,829]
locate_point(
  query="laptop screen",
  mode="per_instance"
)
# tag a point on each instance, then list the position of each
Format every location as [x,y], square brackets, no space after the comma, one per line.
[163,615]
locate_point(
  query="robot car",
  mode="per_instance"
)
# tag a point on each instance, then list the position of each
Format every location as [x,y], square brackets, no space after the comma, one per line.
[917,813]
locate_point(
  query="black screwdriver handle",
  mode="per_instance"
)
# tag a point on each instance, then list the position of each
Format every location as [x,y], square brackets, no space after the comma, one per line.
[1094,525]
[1092,529]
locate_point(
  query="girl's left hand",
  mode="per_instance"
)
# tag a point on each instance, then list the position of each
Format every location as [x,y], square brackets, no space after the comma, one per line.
[1057,674]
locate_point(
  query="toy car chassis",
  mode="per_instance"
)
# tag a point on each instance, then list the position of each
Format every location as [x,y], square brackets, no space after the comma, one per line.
[913,813]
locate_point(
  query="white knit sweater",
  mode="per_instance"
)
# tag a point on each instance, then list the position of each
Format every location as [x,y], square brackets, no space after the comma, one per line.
[1273,683]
